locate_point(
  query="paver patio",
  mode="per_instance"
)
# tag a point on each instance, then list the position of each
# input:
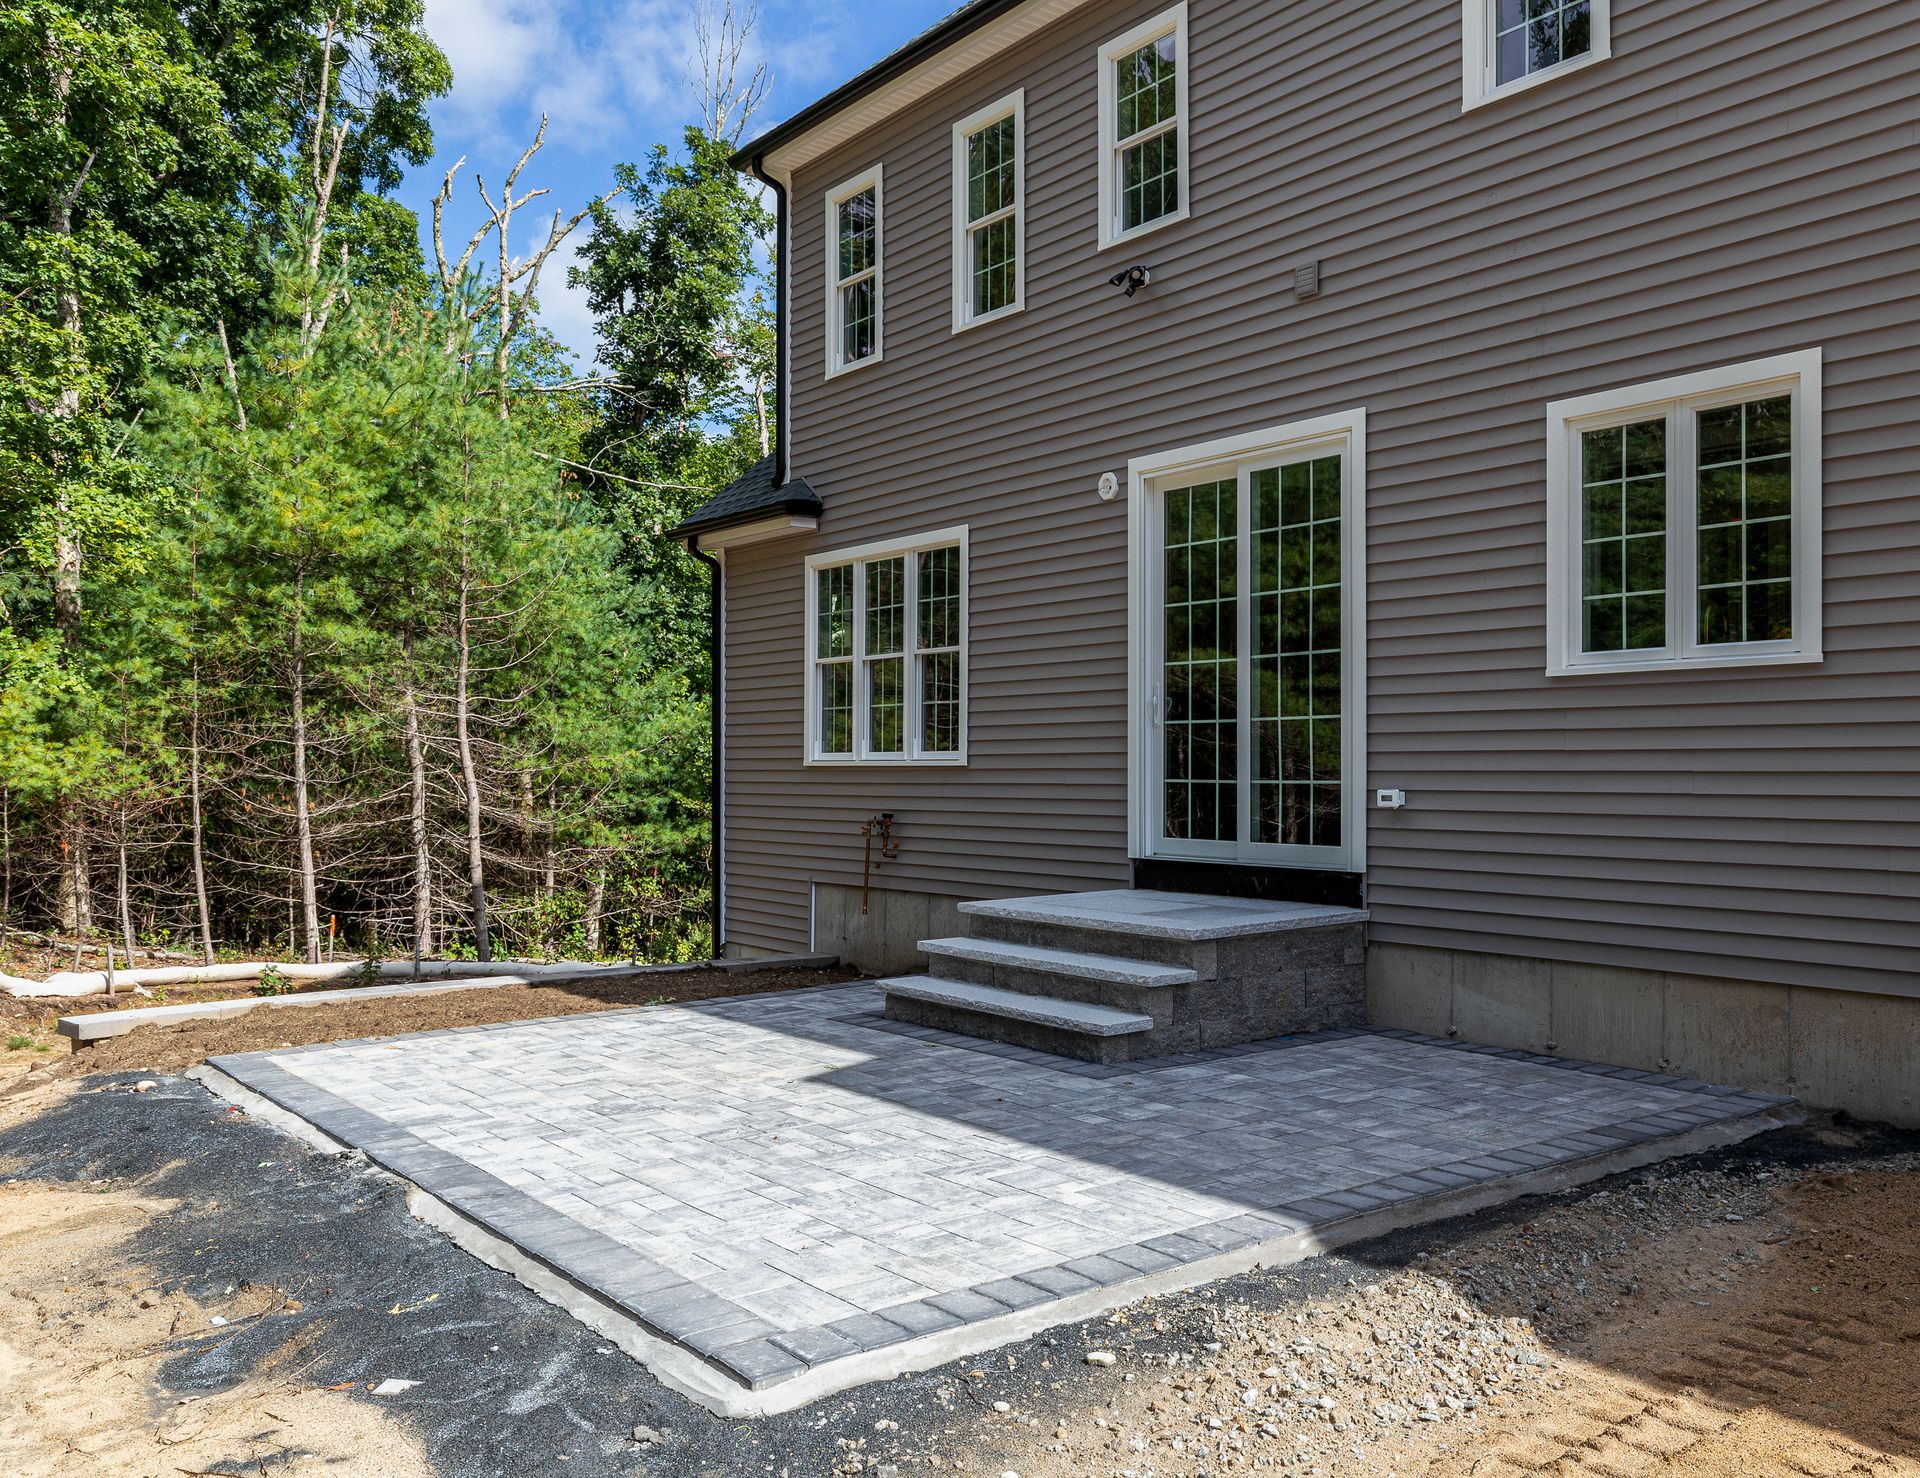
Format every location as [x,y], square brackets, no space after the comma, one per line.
[779,1183]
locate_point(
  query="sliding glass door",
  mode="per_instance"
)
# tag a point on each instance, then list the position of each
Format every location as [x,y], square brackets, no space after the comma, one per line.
[1251,750]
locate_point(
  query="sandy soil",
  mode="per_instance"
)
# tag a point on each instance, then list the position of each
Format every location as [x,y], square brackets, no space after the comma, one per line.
[46,1056]
[84,1333]
[1686,1325]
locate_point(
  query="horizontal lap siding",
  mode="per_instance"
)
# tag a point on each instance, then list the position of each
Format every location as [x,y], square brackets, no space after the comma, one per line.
[1737,181]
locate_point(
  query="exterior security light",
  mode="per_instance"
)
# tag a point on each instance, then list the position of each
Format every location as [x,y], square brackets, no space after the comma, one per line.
[1132,279]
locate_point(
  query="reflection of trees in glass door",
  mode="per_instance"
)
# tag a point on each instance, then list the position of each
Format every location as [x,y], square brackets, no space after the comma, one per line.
[1252,664]
[1296,654]
[1202,678]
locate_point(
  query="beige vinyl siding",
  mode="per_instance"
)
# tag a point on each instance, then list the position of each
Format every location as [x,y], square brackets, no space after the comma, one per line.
[1737,181]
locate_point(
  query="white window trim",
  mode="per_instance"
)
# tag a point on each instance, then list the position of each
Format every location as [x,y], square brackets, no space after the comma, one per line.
[1014,107]
[1678,398]
[1172,22]
[886,549]
[1478,59]
[1145,625]
[868,179]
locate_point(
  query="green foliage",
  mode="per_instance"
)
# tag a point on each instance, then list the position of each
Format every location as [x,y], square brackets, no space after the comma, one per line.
[675,277]
[253,509]
[146,150]
[273,981]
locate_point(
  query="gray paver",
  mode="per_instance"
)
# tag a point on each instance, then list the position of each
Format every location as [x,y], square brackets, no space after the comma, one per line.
[783,1181]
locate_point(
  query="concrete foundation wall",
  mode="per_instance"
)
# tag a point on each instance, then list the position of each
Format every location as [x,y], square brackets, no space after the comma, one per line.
[884,939]
[1831,1049]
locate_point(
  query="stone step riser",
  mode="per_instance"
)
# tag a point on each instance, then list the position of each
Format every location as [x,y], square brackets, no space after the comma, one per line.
[1015,1033]
[1197,955]
[1060,985]
[1260,970]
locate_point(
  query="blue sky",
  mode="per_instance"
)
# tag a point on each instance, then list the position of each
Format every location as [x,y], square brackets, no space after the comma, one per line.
[613,76]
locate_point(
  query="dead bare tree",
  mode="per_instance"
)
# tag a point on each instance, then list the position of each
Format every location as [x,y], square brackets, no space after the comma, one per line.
[417,804]
[516,284]
[324,151]
[732,83]
[463,729]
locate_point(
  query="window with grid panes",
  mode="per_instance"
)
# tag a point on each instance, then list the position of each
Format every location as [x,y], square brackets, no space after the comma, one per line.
[1693,518]
[988,173]
[854,268]
[1143,127]
[1532,35]
[886,654]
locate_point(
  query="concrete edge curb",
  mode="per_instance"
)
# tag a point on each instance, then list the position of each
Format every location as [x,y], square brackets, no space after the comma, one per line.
[98,1026]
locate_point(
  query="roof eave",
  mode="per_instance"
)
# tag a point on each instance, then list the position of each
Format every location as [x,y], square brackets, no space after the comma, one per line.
[791,508]
[929,43]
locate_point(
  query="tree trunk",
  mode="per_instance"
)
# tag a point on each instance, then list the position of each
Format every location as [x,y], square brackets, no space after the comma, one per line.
[596,910]
[6,863]
[199,826]
[126,899]
[469,773]
[303,816]
[422,855]
[73,904]
[549,858]
[67,555]
[503,332]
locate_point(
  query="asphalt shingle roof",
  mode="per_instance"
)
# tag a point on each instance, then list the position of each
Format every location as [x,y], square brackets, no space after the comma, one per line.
[752,495]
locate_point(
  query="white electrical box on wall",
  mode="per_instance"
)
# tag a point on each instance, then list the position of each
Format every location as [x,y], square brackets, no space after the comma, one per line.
[1389,800]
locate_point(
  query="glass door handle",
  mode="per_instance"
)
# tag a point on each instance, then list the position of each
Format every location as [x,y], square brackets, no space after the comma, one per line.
[1156,706]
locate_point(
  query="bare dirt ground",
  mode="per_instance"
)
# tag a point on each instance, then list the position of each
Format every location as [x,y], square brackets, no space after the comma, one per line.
[84,1331]
[42,1055]
[1679,1323]
[1751,1312]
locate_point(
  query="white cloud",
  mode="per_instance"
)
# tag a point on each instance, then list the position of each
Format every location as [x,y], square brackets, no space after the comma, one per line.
[596,70]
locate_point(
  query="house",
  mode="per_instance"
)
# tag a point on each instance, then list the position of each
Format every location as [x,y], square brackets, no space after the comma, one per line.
[1456,460]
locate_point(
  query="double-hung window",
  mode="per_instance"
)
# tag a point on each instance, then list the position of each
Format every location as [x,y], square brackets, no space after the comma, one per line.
[854,266]
[1144,180]
[886,653]
[989,212]
[1683,521]
[1514,44]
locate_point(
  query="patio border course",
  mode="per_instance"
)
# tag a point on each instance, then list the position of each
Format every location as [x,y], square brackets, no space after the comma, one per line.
[736,1363]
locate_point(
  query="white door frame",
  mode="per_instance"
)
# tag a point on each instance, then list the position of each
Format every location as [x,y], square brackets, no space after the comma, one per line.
[1345,430]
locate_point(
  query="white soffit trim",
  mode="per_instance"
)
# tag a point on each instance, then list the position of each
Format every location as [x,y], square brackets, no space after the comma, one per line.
[780,527]
[949,65]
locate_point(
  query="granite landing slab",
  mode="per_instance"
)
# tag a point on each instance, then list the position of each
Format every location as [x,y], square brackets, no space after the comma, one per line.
[787,1194]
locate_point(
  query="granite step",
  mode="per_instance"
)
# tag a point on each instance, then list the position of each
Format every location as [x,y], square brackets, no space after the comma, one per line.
[1038,962]
[1078,1018]
[1145,914]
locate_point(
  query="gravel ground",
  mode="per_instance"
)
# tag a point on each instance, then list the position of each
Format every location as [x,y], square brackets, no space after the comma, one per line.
[1394,1356]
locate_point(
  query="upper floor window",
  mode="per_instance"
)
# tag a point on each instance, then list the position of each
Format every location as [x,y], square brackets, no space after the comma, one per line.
[1143,128]
[886,653]
[1684,520]
[1514,44]
[854,252]
[989,179]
